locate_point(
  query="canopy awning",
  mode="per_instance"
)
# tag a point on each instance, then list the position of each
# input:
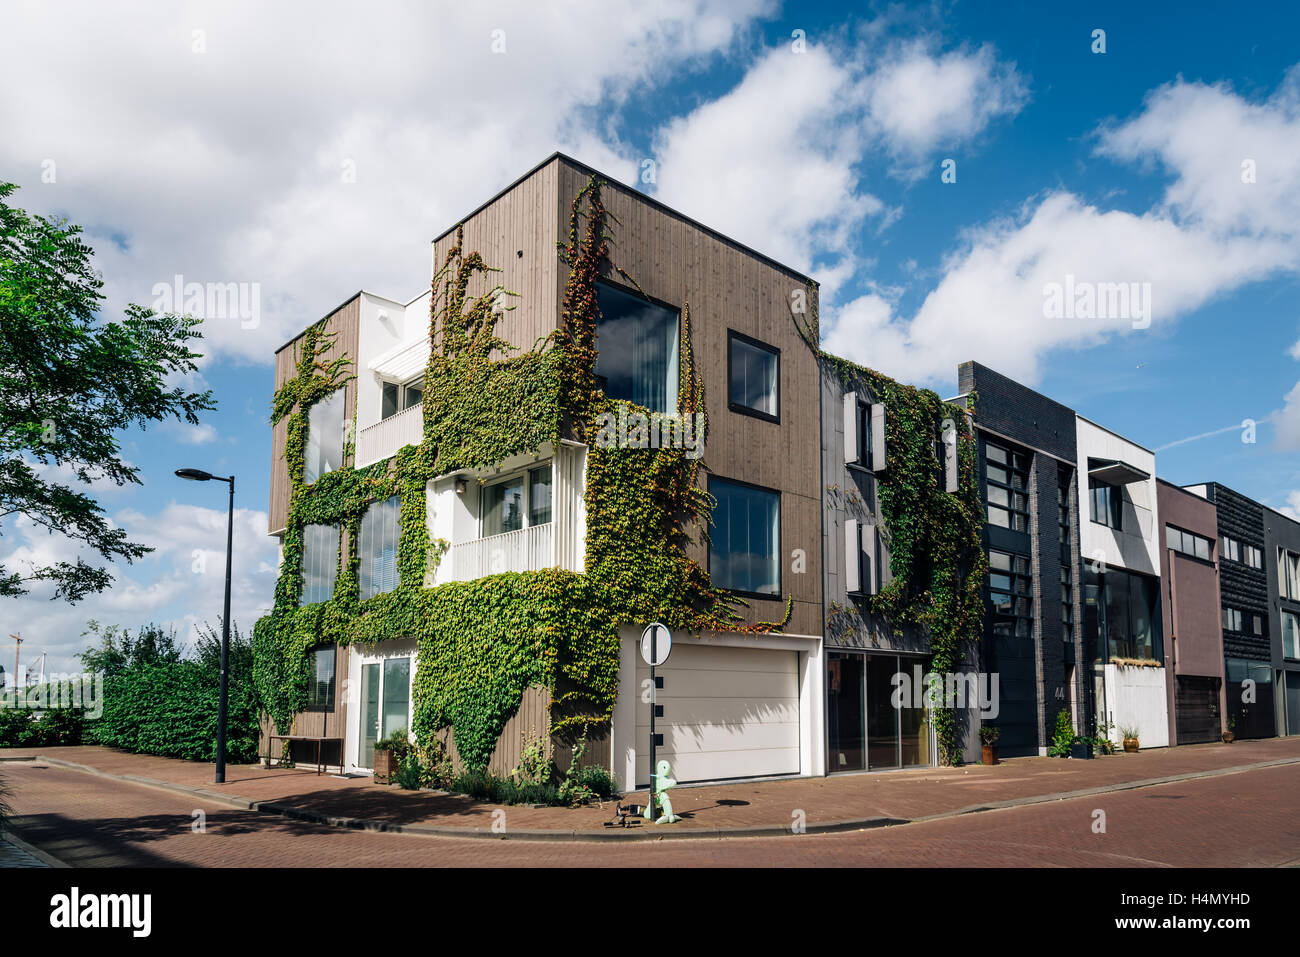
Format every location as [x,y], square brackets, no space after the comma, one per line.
[1115,472]
[403,362]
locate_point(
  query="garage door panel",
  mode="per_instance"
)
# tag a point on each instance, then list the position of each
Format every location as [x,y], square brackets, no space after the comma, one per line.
[719,684]
[722,711]
[728,713]
[712,765]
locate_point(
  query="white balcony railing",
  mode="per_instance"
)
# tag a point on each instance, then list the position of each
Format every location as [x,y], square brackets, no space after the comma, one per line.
[523,550]
[383,439]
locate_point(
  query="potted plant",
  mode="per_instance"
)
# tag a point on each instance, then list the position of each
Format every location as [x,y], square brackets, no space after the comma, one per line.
[389,753]
[1063,738]
[1130,739]
[989,735]
[1229,736]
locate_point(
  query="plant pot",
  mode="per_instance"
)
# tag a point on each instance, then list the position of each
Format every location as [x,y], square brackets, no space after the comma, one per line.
[1229,737]
[1081,749]
[1131,745]
[989,753]
[385,767]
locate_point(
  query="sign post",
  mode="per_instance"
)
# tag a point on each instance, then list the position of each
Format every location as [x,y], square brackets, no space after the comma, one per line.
[656,644]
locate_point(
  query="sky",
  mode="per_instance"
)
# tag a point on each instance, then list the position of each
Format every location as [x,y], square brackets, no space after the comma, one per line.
[937,168]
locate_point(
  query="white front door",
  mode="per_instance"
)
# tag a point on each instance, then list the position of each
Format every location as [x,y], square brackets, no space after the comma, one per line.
[383,700]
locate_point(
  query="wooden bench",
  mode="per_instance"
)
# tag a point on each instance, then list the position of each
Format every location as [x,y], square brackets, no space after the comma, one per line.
[291,738]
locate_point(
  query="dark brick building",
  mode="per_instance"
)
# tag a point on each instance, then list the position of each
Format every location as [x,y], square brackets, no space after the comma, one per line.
[1027,451]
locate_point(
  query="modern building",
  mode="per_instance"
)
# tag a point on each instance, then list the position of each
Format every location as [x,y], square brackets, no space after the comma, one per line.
[1189,568]
[732,702]
[1027,452]
[1244,604]
[1119,543]
[1282,556]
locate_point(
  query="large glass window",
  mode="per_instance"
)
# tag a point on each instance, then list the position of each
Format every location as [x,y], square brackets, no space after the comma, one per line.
[1006,480]
[324,437]
[1127,615]
[846,714]
[377,547]
[752,370]
[320,694]
[1107,503]
[1187,543]
[518,501]
[320,560]
[1290,635]
[744,554]
[1010,595]
[1288,574]
[636,343]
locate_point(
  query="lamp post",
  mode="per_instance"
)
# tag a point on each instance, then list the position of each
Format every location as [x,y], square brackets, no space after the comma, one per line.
[198,475]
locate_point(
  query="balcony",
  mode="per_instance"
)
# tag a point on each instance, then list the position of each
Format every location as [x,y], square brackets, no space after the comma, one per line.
[525,549]
[382,440]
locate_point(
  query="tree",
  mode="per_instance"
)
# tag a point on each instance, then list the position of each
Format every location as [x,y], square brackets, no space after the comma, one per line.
[120,651]
[69,384]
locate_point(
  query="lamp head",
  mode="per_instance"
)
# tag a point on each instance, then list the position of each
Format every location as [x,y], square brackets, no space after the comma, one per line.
[194,475]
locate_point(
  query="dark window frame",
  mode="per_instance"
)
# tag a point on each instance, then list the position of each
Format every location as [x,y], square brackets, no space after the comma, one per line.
[312,704]
[780,570]
[676,310]
[1114,504]
[1008,486]
[745,409]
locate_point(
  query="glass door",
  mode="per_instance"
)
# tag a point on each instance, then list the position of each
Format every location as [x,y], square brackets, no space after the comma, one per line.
[369,714]
[385,704]
[846,706]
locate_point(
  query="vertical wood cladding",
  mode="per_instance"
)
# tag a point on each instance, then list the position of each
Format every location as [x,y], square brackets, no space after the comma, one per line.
[345,321]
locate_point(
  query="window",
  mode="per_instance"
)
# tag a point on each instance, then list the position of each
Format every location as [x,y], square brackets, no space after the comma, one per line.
[744,554]
[1066,555]
[1006,478]
[636,342]
[1125,615]
[398,398]
[1231,549]
[1187,543]
[320,563]
[320,694]
[1107,502]
[1288,574]
[1290,635]
[1235,551]
[324,437]
[753,371]
[522,500]
[377,547]
[1010,595]
[864,433]
[1232,620]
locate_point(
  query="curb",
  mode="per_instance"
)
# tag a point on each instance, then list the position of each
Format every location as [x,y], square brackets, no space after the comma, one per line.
[640,833]
[45,858]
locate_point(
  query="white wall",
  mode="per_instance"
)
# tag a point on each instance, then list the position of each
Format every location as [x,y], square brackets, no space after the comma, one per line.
[1137,698]
[1137,546]
[383,323]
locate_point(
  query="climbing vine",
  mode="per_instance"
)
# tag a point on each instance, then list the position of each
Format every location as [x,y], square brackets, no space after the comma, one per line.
[936,560]
[482,643]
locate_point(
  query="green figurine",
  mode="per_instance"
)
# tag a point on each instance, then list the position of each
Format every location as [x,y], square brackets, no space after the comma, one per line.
[662,783]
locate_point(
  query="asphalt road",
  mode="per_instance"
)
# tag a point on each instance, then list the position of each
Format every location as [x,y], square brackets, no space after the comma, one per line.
[1246,819]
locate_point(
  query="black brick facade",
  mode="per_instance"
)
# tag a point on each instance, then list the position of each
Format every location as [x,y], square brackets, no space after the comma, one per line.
[1032,676]
[1241,586]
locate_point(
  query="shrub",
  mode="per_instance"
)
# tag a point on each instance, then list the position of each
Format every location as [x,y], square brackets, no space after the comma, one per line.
[1063,739]
[410,773]
[23,728]
[398,744]
[989,734]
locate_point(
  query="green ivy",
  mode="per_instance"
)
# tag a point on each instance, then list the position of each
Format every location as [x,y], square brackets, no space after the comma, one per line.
[482,643]
[937,558]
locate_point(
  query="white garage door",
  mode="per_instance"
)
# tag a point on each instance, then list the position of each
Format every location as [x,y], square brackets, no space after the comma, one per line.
[727,713]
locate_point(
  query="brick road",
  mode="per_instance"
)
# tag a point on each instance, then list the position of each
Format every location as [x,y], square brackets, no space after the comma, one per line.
[1242,819]
[902,794]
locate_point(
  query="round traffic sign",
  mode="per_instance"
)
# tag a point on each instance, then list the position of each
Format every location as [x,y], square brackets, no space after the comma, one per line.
[662,640]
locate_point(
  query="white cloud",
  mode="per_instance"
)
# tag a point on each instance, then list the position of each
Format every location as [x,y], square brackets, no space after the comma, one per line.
[180,585]
[778,161]
[1208,236]
[227,165]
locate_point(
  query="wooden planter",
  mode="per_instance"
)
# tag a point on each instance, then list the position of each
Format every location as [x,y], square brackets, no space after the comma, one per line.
[989,753]
[1131,745]
[385,767]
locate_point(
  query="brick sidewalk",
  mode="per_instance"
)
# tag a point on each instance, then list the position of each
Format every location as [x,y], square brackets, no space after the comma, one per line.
[895,796]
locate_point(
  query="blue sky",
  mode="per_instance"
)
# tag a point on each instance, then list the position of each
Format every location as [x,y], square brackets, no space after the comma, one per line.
[209,141]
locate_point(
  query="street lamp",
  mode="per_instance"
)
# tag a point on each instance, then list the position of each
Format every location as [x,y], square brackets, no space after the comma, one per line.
[198,475]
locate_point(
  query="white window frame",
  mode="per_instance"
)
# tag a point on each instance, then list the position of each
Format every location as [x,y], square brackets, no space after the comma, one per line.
[526,473]
[862,574]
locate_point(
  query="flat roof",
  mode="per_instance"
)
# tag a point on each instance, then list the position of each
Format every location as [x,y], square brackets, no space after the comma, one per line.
[1116,434]
[644,197]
